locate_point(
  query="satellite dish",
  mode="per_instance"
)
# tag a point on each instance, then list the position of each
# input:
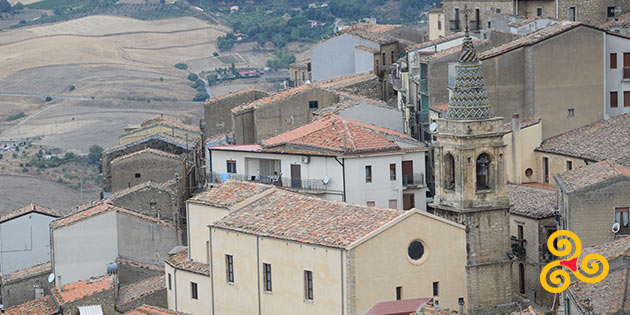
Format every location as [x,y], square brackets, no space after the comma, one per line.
[433,126]
[326,180]
[616,227]
[51,277]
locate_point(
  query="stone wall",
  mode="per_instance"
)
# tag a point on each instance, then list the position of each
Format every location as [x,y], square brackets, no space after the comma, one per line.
[104,298]
[591,12]
[369,88]
[149,166]
[149,201]
[486,10]
[129,271]
[157,298]
[23,290]
[218,111]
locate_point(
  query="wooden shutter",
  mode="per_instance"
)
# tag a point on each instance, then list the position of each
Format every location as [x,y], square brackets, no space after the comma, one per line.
[626,59]
[613,61]
[626,98]
[614,99]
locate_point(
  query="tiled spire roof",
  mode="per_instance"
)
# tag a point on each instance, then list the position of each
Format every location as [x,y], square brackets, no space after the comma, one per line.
[470,99]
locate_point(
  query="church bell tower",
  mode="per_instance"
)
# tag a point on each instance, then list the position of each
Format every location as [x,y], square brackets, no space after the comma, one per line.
[470,185]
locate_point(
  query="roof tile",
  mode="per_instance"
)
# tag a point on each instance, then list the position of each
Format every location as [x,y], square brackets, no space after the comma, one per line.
[98,209]
[536,203]
[29,272]
[146,151]
[151,310]
[28,209]
[41,306]
[272,98]
[592,174]
[141,288]
[81,289]
[180,261]
[229,193]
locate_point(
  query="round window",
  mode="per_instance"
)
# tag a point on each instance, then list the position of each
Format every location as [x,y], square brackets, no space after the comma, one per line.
[415,250]
[529,172]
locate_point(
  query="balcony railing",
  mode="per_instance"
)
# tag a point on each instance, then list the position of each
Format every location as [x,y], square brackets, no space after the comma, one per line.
[286,182]
[453,25]
[413,179]
[626,73]
[518,247]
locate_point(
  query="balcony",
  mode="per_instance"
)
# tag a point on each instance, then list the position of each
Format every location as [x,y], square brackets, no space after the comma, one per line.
[626,73]
[518,247]
[311,185]
[453,25]
[413,180]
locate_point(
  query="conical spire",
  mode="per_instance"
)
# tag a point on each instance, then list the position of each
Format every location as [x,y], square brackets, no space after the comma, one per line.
[470,99]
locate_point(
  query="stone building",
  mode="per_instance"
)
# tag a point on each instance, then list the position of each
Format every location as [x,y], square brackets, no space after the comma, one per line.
[25,285]
[158,200]
[218,110]
[592,199]
[147,165]
[157,125]
[300,73]
[188,150]
[331,245]
[84,242]
[599,141]
[365,85]
[470,186]
[480,12]
[278,113]
[532,220]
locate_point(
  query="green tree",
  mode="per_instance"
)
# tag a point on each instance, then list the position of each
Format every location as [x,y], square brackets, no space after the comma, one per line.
[5,6]
[18,6]
[94,155]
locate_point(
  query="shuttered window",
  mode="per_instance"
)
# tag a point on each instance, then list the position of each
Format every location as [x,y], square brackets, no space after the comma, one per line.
[626,98]
[614,98]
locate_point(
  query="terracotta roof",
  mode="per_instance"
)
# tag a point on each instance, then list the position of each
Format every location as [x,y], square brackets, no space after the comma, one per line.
[368,49]
[379,33]
[147,151]
[151,310]
[182,142]
[588,175]
[234,94]
[335,134]
[26,273]
[440,108]
[162,121]
[229,193]
[611,295]
[623,21]
[28,209]
[41,306]
[272,98]
[82,289]
[346,80]
[436,41]
[166,187]
[291,216]
[139,289]
[180,261]
[409,306]
[602,140]
[138,263]
[531,202]
[523,124]
[530,39]
[98,209]
[351,100]
[430,309]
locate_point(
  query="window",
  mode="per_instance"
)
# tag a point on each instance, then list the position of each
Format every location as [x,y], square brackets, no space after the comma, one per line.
[520,232]
[621,217]
[569,165]
[392,171]
[572,13]
[368,173]
[436,288]
[539,11]
[303,77]
[546,169]
[393,204]
[613,60]
[489,25]
[614,99]
[398,293]
[626,65]
[137,175]
[483,172]
[571,112]
[313,105]
[231,166]
[439,25]
[229,268]
[521,278]
[308,285]
[610,12]
[415,250]
[370,204]
[384,59]
[193,291]
[392,56]
[449,172]
[170,286]
[497,11]
[626,98]
[267,277]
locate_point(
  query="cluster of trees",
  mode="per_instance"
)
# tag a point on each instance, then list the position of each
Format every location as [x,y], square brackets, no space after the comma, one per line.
[282,60]
[226,42]
[5,7]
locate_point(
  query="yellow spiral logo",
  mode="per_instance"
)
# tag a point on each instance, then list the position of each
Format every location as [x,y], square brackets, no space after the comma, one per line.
[555,278]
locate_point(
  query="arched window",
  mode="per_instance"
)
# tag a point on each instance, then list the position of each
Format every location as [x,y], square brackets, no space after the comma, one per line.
[483,172]
[449,172]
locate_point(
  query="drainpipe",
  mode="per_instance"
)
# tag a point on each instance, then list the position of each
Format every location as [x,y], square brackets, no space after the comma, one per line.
[210,267]
[258,271]
[343,174]
[175,287]
[341,267]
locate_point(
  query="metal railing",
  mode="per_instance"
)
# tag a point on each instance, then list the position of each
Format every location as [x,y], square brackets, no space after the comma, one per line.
[286,182]
[413,179]
[518,246]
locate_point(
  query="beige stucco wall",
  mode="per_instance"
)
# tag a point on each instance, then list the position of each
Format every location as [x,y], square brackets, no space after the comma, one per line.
[288,261]
[557,165]
[520,157]
[199,217]
[434,31]
[181,290]
[382,263]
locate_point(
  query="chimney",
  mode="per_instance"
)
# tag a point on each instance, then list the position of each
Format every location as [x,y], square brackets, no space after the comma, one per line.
[516,150]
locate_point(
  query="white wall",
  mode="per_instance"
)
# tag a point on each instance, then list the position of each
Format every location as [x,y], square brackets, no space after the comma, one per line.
[25,242]
[83,249]
[181,290]
[614,77]
[363,61]
[335,57]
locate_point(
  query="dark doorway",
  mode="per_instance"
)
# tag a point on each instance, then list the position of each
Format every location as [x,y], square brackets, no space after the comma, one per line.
[409,201]
[407,170]
[296,176]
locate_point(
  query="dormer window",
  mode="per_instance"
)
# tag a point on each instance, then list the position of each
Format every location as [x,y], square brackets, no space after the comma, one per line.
[483,172]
